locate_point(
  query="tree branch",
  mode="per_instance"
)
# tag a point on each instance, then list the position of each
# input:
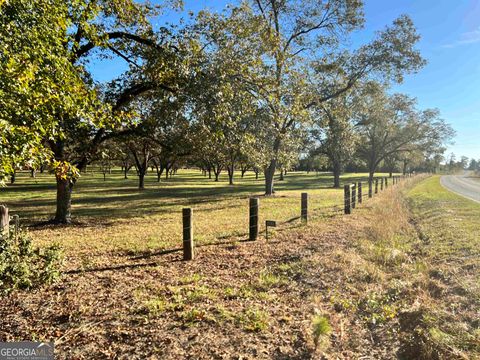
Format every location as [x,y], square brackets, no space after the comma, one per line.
[126,58]
[84,49]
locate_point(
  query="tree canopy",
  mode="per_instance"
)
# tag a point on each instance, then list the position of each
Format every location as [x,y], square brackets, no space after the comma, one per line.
[258,86]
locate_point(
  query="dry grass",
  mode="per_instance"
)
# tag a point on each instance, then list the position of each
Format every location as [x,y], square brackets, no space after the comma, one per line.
[347,287]
[448,280]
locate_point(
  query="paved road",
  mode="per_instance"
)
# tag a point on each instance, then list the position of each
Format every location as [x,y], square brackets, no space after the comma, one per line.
[462,185]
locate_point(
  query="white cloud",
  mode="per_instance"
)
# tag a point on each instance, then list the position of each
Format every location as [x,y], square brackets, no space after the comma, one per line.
[469,37]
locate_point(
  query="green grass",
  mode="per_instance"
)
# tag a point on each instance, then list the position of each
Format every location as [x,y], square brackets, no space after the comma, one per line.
[449,219]
[115,215]
[321,329]
[449,229]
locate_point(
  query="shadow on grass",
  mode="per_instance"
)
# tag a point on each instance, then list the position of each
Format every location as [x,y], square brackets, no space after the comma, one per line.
[117,198]
[117,267]
[150,255]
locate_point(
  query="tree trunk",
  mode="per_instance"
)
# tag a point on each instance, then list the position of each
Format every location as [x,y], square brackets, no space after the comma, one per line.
[125,172]
[209,172]
[141,179]
[336,179]
[230,170]
[243,170]
[64,201]
[281,175]
[160,172]
[13,177]
[256,174]
[270,170]
[372,166]
[269,175]
[336,175]
[33,173]
[217,170]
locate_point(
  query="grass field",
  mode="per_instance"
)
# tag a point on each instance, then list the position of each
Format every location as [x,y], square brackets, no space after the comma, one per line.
[449,227]
[114,215]
[397,279]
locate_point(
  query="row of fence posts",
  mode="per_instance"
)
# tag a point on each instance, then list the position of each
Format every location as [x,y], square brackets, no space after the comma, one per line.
[352,193]
[254,203]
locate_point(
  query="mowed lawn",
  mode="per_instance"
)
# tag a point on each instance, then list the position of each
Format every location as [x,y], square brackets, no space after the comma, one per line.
[113,215]
[449,226]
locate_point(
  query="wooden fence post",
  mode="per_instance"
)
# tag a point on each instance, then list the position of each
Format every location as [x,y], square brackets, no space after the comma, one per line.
[381,184]
[376,186]
[354,196]
[370,188]
[360,193]
[253,232]
[304,204]
[386,183]
[346,193]
[188,252]
[4,221]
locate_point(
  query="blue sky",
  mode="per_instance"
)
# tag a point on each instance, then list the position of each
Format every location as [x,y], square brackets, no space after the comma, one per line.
[450,31]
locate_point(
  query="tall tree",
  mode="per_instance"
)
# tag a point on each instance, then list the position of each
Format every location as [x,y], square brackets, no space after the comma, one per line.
[78,116]
[39,84]
[392,125]
[278,40]
[334,129]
